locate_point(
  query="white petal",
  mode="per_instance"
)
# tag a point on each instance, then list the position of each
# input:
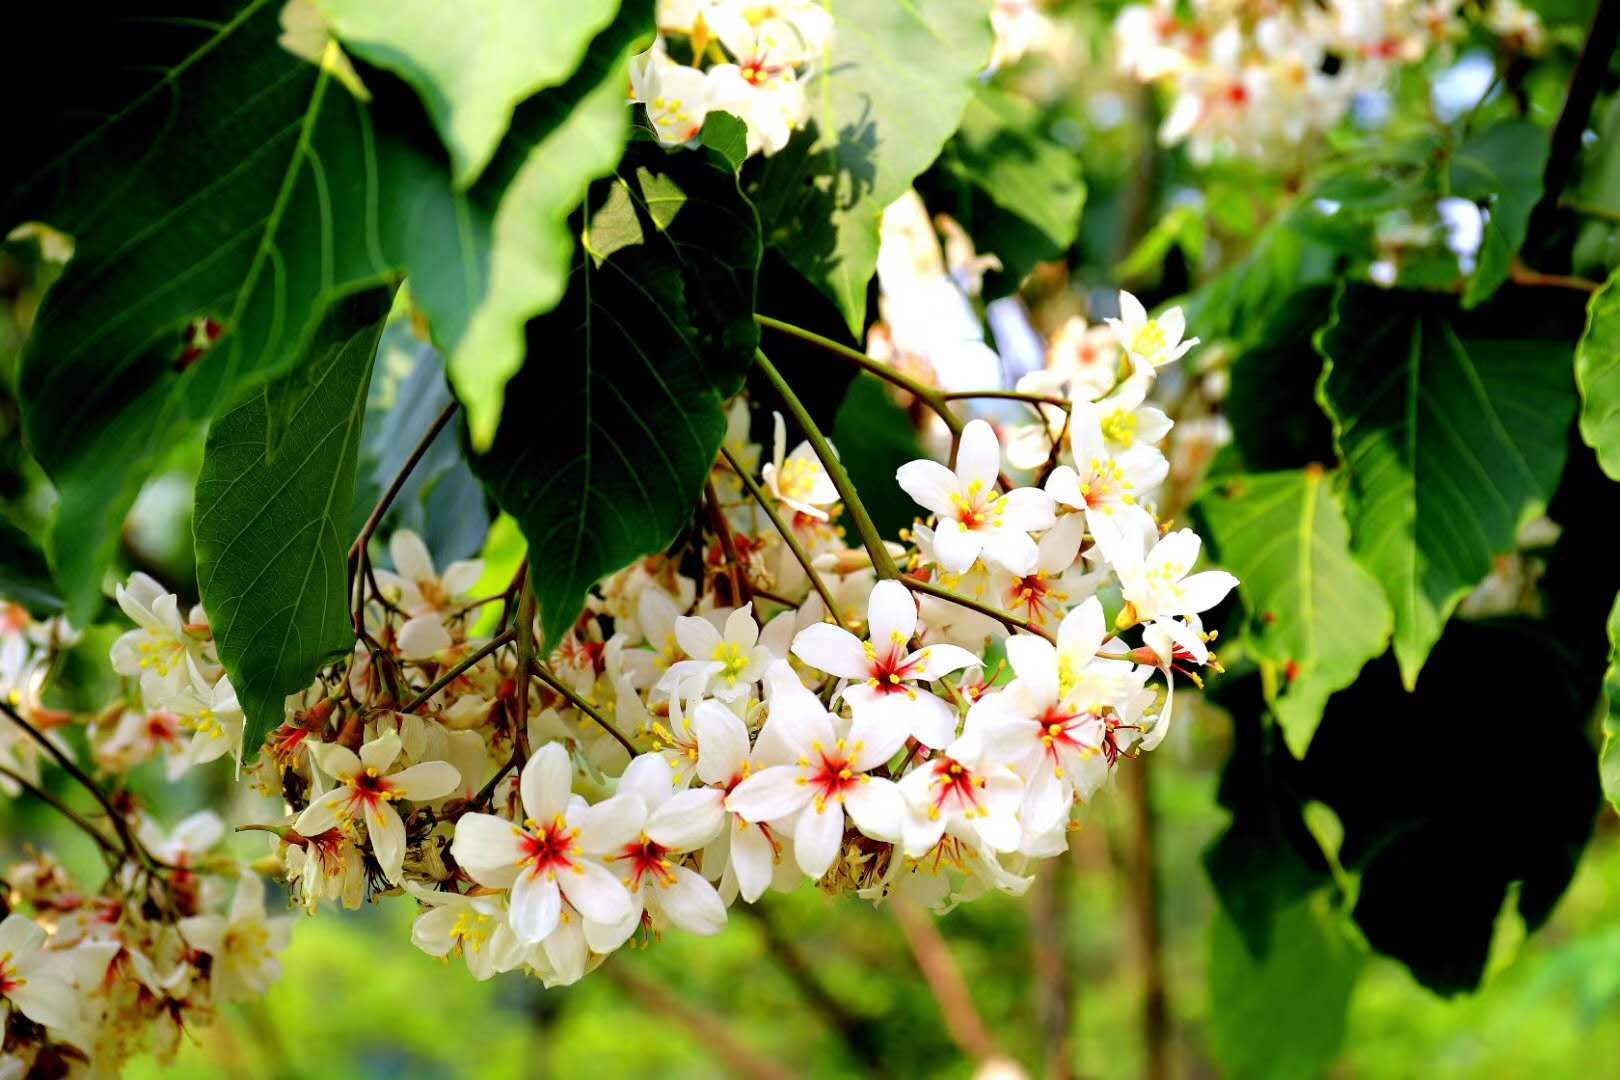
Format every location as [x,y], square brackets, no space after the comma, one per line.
[536,904]
[891,617]
[612,824]
[956,548]
[1035,661]
[817,837]
[741,629]
[47,1001]
[1082,632]
[932,661]
[427,781]
[877,808]
[930,484]
[753,860]
[1011,550]
[932,721]
[546,783]
[321,814]
[875,736]
[649,776]
[833,649]
[1202,591]
[692,904]
[423,637]
[20,935]
[380,752]
[410,555]
[487,847]
[688,820]
[565,947]
[387,834]
[460,576]
[334,760]
[978,457]
[722,742]
[1131,311]
[697,637]
[594,890]
[769,795]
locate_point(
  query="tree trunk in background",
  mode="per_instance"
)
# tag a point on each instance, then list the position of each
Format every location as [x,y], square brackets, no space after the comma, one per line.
[1053,968]
[1143,870]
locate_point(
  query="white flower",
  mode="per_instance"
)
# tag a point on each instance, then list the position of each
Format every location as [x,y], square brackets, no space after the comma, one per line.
[964,792]
[367,789]
[830,774]
[474,926]
[676,96]
[798,481]
[973,519]
[1102,483]
[415,586]
[1152,342]
[1156,583]
[210,711]
[162,640]
[555,853]
[726,666]
[743,857]
[668,822]
[243,943]
[33,982]
[886,696]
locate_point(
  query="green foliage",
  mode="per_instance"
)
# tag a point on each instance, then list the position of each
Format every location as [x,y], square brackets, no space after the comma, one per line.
[25,578]
[336,196]
[1451,442]
[1597,373]
[1501,169]
[1314,617]
[883,104]
[1283,1015]
[1609,761]
[461,58]
[273,530]
[604,458]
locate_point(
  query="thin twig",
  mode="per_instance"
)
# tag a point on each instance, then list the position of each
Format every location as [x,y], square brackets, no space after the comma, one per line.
[504,638]
[1521,274]
[1584,84]
[740,584]
[525,659]
[65,810]
[539,672]
[1003,617]
[1591,210]
[1008,395]
[786,533]
[882,561]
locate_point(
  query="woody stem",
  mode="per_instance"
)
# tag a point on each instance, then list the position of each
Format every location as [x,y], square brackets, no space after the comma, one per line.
[582,705]
[1003,617]
[786,533]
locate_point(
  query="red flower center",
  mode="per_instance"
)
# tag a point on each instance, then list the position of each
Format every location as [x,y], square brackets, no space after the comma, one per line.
[549,848]
[648,859]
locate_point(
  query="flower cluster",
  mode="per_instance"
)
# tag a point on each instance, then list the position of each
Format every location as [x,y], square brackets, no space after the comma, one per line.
[1254,80]
[735,56]
[770,707]
[92,976]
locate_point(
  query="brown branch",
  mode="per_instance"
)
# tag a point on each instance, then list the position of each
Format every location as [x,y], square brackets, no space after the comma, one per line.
[538,671]
[712,1032]
[963,1023]
[504,638]
[1005,618]
[65,810]
[1521,274]
[728,547]
[792,541]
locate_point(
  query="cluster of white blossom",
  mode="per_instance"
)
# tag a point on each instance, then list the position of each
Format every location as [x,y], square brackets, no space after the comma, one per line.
[1254,80]
[736,56]
[91,977]
[712,727]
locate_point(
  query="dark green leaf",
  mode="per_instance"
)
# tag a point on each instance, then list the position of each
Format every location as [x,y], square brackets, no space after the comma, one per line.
[1276,421]
[1450,441]
[888,96]
[25,578]
[1610,761]
[1284,1015]
[242,184]
[1314,616]
[603,452]
[874,437]
[272,534]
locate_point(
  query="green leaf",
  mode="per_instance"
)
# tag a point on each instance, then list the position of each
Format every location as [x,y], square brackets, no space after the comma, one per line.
[1450,441]
[272,534]
[471,62]
[874,437]
[603,453]
[1283,1015]
[883,103]
[260,223]
[1314,616]
[1001,150]
[1597,373]
[1500,168]
[25,578]
[1609,761]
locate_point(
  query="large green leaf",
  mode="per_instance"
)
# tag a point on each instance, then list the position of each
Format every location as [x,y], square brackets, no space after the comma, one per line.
[25,578]
[471,62]
[883,103]
[240,183]
[1450,443]
[874,437]
[272,534]
[1597,373]
[1500,168]
[1282,1015]
[1314,617]
[602,453]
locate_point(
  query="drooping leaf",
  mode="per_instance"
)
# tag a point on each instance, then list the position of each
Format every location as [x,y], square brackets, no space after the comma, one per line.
[1283,1015]
[258,224]
[1597,373]
[603,452]
[883,103]
[1314,617]
[1500,168]
[272,534]
[472,63]
[1450,441]
[874,437]
[1276,421]
[1436,839]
